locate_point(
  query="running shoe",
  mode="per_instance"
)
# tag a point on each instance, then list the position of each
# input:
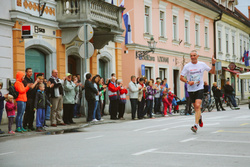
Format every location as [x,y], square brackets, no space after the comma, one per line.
[194,128]
[201,122]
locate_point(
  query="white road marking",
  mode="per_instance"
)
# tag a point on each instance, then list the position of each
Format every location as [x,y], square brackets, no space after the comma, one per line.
[243,117]
[146,151]
[217,117]
[160,130]
[202,154]
[190,139]
[157,126]
[225,141]
[7,153]
[93,137]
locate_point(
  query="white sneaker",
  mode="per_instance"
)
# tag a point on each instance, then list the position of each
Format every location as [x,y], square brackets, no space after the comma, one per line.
[153,114]
[165,115]
[101,120]
[94,120]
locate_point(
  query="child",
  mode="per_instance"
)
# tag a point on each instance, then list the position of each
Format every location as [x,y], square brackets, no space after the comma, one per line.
[41,102]
[10,110]
[2,98]
[165,104]
[170,100]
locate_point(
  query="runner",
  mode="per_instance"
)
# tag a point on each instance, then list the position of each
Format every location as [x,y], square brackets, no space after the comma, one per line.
[194,72]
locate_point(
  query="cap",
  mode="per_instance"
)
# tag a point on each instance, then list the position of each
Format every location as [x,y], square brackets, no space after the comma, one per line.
[68,74]
[158,80]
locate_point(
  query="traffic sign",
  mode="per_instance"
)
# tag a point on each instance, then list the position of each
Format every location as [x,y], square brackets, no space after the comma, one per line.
[143,70]
[90,50]
[90,33]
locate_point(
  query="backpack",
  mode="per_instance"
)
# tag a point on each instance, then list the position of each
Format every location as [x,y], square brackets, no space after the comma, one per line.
[12,91]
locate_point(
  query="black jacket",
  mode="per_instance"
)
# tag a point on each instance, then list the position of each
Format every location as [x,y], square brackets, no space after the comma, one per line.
[216,91]
[41,100]
[228,89]
[57,84]
[90,90]
[31,94]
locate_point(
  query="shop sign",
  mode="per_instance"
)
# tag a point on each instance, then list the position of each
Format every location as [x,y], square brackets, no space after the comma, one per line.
[143,70]
[163,59]
[27,31]
[232,66]
[38,29]
[145,57]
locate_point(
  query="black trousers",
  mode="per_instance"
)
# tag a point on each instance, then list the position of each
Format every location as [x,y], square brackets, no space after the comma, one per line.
[113,109]
[68,112]
[141,106]
[121,110]
[28,118]
[188,106]
[91,107]
[134,103]
[218,102]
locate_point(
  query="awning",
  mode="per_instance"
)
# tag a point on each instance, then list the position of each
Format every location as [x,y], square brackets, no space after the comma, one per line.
[232,71]
[245,75]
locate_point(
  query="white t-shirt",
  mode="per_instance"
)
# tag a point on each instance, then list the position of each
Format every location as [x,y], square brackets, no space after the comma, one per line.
[194,72]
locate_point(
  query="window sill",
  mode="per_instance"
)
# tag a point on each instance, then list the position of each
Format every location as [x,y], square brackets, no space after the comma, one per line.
[175,42]
[206,49]
[147,36]
[187,45]
[197,47]
[163,39]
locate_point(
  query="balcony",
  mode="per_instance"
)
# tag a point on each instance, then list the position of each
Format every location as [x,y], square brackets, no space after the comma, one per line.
[105,18]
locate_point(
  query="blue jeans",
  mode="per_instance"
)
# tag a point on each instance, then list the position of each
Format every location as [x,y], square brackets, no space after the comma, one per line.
[21,105]
[76,109]
[1,114]
[40,117]
[157,105]
[47,116]
[97,112]
[232,99]
[149,106]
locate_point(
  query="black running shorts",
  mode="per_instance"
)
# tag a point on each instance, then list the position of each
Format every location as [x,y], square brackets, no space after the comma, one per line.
[196,95]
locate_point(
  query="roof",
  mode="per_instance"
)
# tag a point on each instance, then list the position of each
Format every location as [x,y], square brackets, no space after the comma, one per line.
[236,14]
[207,4]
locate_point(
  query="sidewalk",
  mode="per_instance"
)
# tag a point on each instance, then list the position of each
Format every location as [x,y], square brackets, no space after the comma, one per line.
[80,123]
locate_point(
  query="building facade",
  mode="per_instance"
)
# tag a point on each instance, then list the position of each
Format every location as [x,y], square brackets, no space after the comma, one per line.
[232,40]
[178,27]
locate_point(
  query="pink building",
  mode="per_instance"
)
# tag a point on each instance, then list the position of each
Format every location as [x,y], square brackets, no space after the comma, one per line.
[178,27]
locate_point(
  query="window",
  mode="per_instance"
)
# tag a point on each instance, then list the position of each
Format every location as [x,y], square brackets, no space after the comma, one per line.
[175,28]
[162,73]
[146,19]
[227,49]
[197,34]
[233,45]
[148,73]
[219,40]
[162,24]
[206,37]
[186,31]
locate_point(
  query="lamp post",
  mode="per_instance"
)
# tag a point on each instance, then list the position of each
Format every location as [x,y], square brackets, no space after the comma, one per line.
[151,44]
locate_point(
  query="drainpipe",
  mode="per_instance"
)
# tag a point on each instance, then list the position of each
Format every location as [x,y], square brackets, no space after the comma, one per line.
[215,48]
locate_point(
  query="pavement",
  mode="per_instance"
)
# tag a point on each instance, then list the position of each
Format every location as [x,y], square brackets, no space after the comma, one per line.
[162,142]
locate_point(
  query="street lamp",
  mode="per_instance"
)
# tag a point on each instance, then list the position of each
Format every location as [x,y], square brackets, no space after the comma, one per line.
[151,44]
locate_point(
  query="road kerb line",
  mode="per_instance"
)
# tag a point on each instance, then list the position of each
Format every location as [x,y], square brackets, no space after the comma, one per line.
[202,154]
[224,141]
[244,124]
[7,153]
[146,151]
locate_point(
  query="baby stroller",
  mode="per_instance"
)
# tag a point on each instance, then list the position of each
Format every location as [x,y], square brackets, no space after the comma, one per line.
[179,102]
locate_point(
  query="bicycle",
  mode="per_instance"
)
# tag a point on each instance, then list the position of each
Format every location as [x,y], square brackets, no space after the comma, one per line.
[207,103]
[227,102]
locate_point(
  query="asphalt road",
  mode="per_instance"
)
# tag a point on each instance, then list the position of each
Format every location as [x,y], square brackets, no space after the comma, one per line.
[224,141]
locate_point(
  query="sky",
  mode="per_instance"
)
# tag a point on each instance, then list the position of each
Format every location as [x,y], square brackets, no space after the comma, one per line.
[243,6]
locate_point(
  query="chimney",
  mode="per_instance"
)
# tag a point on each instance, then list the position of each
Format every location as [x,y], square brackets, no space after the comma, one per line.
[249,12]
